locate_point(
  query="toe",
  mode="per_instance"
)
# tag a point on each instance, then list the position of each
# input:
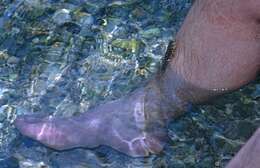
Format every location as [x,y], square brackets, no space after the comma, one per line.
[28,125]
[42,130]
[33,127]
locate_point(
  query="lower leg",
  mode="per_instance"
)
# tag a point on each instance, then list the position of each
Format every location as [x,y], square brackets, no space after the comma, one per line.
[217,51]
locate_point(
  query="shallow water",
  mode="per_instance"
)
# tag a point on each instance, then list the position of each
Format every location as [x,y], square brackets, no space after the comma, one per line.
[61,57]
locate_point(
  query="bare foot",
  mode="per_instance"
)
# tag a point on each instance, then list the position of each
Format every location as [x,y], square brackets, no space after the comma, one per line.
[133,125]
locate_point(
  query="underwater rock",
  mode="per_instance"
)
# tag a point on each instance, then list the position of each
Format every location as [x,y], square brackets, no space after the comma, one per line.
[189,160]
[29,163]
[225,145]
[244,129]
[112,26]
[78,158]
[34,3]
[72,27]
[132,45]
[2,22]
[91,8]
[256,93]
[86,20]
[55,52]
[7,133]
[2,116]
[4,55]
[205,162]
[66,108]
[12,60]
[139,14]
[61,16]
[150,33]
[177,163]
[10,162]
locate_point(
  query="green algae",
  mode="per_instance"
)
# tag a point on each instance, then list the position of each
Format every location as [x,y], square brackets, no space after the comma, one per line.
[131,45]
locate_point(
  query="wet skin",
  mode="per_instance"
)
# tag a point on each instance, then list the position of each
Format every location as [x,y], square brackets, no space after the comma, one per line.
[217,51]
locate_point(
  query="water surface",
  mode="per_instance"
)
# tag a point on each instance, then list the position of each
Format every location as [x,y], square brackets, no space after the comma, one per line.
[59,57]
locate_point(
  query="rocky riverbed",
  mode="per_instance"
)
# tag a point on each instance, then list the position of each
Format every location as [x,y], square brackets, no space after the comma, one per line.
[59,57]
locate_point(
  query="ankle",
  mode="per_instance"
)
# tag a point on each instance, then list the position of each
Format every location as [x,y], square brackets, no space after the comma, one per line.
[161,104]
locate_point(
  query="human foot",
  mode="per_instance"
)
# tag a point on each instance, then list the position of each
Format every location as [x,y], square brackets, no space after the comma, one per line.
[134,125]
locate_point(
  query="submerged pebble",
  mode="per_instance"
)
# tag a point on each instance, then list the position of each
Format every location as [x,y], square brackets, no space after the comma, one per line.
[131,45]
[61,16]
[151,33]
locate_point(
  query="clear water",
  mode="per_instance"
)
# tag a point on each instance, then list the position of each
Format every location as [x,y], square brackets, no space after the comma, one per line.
[59,57]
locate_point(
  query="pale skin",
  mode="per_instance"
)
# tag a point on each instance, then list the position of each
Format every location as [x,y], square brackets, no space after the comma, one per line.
[217,52]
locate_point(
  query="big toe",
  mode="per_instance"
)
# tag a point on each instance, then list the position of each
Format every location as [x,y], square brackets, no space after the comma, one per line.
[30,126]
[46,131]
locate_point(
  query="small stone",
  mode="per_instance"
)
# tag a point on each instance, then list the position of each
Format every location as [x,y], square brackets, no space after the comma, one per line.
[117,3]
[178,163]
[132,45]
[217,163]
[13,77]
[32,164]
[87,20]
[1,125]
[2,22]
[150,33]
[72,27]
[15,30]
[256,93]
[61,16]
[33,3]
[189,160]
[4,55]
[245,128]
[10,162]
[36,40]
[90,7]
[12,60]
[225,145]
[206,161]
[139,13]
[2,116]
